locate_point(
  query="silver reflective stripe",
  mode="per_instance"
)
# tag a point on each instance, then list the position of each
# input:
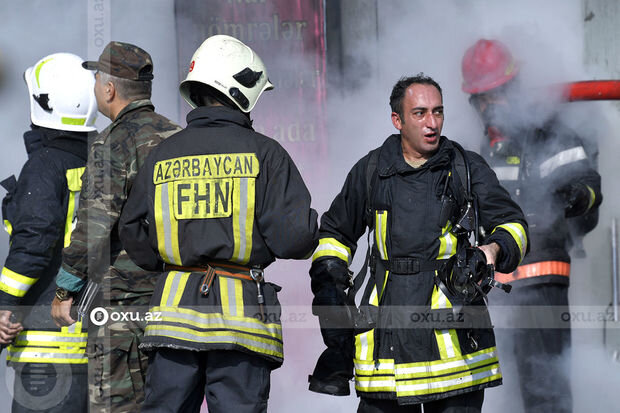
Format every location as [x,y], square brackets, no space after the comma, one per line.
[14,283]
[201,321]
[232,299]
[54,340]
[153,330]
[242,220]
[560,159]
[507,173]
[46,355]
[461,365]
[461,381]
[165,213]
[174,287]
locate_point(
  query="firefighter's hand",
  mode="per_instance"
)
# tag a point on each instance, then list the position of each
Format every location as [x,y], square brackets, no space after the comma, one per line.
[8,329]
[61,312]
[577,199]
[490,252]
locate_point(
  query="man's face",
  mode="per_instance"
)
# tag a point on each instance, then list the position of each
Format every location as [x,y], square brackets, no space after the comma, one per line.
[100,95]
[422,120]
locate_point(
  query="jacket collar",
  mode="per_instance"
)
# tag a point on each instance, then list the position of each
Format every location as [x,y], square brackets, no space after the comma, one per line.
[391,159]
[136,104]
[214,116]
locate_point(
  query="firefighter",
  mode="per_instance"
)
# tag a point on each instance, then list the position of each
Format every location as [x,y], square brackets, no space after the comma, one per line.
[550,172]
[223,203]
[411,198]
[39,215]
[124,74]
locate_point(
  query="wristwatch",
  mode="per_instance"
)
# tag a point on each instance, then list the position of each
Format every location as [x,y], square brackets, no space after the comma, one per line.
[62,294]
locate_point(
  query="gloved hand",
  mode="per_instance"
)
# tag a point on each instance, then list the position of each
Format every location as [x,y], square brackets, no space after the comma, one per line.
[330,279]
[576,198]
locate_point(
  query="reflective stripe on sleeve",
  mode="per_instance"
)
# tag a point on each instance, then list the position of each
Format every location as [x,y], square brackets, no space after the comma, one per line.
[506,173]
[331,247]
[15,284]
[74,184]
[562,158]
[518,234]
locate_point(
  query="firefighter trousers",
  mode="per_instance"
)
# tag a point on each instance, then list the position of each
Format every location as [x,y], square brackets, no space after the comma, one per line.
[463,403]
[50,388]
[177,381]
[534,349]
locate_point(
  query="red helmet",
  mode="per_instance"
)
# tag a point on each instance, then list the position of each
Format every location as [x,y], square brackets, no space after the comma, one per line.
[487,65]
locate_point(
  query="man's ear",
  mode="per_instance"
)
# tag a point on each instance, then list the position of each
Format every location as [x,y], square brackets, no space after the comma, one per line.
[110,91]
[396,121]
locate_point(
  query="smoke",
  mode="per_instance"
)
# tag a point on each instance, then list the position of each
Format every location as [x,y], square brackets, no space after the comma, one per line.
[407,37]
[380,43]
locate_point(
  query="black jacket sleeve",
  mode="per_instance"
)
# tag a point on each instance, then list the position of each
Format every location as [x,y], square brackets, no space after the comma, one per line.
[133,225]
[37,215]
[500,217]
[285,219]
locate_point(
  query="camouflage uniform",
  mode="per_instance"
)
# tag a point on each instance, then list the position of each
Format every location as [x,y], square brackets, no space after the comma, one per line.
[116,368]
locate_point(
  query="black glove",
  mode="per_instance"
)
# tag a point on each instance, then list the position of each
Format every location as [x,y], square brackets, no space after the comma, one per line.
[330,279]
[576,199]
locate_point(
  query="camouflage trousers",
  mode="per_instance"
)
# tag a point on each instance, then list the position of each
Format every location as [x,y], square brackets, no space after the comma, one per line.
[116,368]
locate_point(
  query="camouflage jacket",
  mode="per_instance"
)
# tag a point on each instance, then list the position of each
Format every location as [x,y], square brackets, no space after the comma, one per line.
[114,158]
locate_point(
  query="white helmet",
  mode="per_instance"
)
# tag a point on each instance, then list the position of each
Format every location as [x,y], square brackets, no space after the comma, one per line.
[231,67]
[62,93]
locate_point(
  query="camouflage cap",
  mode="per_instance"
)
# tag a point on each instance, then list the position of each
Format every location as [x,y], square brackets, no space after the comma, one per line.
[123,60]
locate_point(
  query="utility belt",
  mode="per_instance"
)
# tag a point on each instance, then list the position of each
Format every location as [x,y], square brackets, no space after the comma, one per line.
[224,269]
[537,269]
[406,265]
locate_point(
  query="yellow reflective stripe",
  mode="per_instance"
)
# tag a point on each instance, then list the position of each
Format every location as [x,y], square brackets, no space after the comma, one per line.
[447,340]
[180,288]
[369,368]
[427,377]
[592,197]
[381,233]
[444,384]
[217,321]
[243,218]
[15,284]
[331,247]
[71,208]
[365,345]
[8,227]
[231,291]
[447,243]
[385,279]
[374,298]
[72,121]
[46,355]
[249,341]
[170,291]
[166,225]
[74,178]
[518,233]
[439,299]
[37,70]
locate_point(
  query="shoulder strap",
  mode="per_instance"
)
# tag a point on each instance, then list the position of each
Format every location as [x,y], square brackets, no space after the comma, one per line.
[371,180]
[459,165]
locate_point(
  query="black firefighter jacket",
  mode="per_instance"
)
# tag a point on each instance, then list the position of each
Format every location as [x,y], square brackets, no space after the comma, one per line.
[39,212]
[217,191]
[533,169]
[398,359]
